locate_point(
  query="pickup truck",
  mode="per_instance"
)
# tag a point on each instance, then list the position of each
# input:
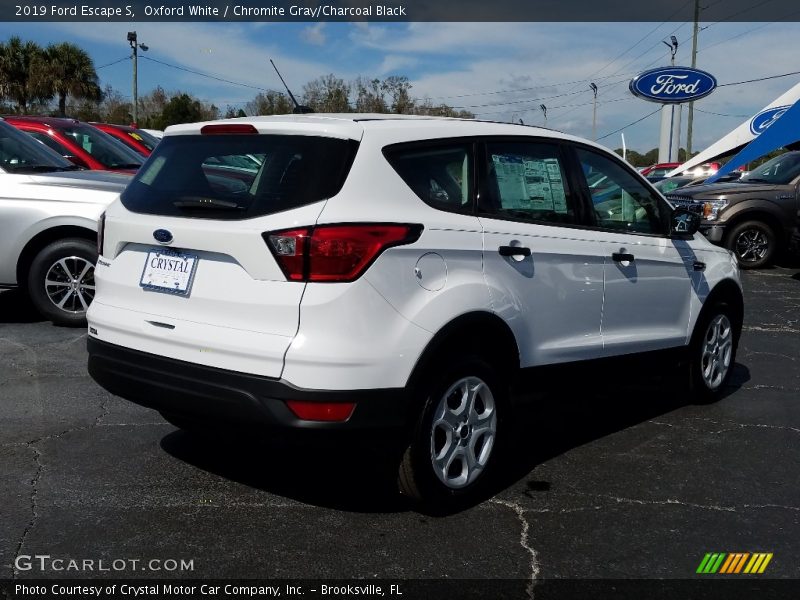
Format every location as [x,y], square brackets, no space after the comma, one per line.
[754,216]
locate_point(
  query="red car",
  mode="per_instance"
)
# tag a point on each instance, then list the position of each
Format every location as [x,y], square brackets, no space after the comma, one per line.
[134,138]
[84,145]
[659,170]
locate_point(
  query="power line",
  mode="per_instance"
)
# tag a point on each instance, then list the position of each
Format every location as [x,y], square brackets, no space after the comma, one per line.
[759,79]
[549,108]
[113,63]
[708,112]
[526,99]
[209,76]
[528,89]
[629,124]
[736,14]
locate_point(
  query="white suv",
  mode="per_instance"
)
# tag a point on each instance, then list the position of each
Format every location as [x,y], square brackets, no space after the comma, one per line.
[376,271]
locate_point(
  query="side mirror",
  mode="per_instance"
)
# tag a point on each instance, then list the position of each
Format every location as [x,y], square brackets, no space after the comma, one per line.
[683,223]
[77,161]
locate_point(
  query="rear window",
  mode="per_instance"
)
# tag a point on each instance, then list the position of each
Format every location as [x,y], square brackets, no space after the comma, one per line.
[238,176]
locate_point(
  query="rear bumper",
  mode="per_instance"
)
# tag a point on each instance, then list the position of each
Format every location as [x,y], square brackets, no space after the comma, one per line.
[218,395]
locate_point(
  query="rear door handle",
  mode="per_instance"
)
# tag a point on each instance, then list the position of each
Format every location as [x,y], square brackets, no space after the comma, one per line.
[622,257]
[514,251]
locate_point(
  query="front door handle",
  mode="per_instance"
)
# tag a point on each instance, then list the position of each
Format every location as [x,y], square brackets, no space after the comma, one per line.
[622,257]
[514,251]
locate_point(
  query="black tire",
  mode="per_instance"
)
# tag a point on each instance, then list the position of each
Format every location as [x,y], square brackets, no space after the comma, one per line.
[77,254]
[754,243]
[700,367]
[417,477]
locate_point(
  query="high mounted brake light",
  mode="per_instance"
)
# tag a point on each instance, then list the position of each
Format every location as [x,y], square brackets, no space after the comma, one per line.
[227,129]
[335,253]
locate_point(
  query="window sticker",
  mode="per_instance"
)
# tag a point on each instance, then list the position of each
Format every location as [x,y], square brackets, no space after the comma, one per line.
[533,184]
[510,174]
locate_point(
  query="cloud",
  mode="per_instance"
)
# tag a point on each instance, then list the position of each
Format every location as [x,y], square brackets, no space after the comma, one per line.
[394,62]
[314,34]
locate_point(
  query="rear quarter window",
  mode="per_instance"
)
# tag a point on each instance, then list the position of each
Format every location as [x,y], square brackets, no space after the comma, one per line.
[238,176]
[439,173]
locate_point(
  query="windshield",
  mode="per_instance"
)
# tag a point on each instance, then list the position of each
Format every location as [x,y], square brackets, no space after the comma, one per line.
[671,183]
[238,176]
[103,148]
[144,138]
[780,170]
[20,153]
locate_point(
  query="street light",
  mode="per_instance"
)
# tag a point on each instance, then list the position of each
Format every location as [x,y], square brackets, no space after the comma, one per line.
[135,45]
[544,110]
[673,47]
[593,87]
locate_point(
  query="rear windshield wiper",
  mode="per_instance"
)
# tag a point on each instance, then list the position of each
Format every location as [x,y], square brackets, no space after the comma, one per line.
[126,166]
[38,168]
[199,202]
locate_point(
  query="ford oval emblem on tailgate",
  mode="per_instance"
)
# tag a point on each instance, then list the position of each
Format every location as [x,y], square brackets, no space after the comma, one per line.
[162,236]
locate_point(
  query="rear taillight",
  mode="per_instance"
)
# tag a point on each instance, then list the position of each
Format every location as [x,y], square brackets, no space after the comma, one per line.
[335,253]
[101,230]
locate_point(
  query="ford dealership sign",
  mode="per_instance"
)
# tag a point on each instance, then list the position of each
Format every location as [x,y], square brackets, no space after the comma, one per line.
[673,85]
[766,118]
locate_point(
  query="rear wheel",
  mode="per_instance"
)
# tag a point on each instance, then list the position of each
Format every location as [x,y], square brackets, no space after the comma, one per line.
[754,243]
[455,443]
[61,281]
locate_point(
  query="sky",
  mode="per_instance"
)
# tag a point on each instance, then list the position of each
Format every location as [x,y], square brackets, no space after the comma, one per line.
[499,71]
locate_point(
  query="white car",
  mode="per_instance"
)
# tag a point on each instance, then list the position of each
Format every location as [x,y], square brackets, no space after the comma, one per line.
[156,133]
[48,225]
[382,272]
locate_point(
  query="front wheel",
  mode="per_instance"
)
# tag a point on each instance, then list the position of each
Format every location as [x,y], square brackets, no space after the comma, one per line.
[712,352]
[754,243]
[455,443]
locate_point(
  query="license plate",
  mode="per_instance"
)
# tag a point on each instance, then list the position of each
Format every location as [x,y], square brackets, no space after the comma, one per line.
[169,272]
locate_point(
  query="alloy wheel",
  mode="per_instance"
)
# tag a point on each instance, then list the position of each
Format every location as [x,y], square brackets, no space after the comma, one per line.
[463,432]
[69,284]
[717,351]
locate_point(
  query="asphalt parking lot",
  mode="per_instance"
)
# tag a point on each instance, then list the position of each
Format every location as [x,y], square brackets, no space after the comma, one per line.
[612,481]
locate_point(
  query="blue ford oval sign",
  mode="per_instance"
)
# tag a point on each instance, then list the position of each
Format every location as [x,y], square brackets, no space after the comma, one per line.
[673,85]
[765,118]
[163,236]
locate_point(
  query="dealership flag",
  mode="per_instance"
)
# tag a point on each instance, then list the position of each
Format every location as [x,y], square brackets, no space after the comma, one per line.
[784,131]
[745,133]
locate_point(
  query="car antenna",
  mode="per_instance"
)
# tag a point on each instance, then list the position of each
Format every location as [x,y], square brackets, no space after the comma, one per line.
[298,108]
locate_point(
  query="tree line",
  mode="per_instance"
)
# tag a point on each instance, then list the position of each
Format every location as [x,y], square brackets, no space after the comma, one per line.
[31,77]
[61,80]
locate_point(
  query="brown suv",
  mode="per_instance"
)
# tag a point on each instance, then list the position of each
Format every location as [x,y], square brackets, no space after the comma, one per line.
[754,216]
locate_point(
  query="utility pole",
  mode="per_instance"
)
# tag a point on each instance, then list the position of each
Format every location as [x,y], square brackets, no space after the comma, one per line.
[670,125]
[593,87]
[135,45]
[694,64]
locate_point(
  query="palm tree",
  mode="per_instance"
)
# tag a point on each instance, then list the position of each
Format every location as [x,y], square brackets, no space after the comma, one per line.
[23,73]
[71,72]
